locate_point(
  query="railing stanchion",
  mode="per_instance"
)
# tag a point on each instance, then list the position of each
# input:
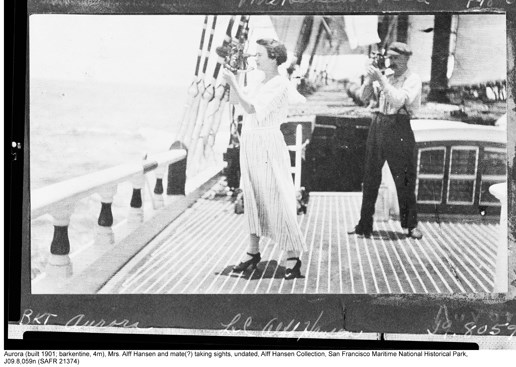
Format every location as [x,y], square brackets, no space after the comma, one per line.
[59,201]
[135,216]
[104,234]
[59,264]
[159,201]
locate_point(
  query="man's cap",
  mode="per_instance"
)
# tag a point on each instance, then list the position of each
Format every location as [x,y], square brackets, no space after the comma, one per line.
[398,48]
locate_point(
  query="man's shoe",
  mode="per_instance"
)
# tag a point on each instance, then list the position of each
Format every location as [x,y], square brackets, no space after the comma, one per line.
[415,233]
[361,231]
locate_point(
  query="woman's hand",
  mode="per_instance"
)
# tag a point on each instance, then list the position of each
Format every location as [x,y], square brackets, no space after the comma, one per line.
[236,95]
[229,77]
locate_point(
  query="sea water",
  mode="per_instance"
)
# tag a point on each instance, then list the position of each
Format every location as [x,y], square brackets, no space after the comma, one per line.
[79,127]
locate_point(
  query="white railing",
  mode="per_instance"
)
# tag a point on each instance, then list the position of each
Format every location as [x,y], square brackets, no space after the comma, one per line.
[298,151]
[502,259]
[59,201]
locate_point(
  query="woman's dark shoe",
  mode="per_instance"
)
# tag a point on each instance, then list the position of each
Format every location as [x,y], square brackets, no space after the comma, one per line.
[295,272]
[252,262]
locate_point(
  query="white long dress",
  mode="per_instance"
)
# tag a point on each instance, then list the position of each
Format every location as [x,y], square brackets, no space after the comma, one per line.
[266,181]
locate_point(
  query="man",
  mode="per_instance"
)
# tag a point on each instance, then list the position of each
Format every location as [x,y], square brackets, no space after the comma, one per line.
[391,139]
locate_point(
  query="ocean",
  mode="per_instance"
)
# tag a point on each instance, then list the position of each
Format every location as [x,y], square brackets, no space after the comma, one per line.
[79,127]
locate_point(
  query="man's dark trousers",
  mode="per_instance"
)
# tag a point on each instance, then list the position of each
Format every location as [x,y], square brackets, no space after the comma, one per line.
[390,139]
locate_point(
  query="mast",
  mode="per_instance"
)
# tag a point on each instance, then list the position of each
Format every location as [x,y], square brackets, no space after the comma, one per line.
[402,28]
[304,38]
[440,54]
[391,27]
[317,39]
[323,26]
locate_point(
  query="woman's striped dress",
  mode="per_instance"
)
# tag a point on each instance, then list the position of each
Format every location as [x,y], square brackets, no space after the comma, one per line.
[266,181]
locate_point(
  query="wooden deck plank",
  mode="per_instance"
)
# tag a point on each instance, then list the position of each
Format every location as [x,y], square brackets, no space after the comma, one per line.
[311,256]
[380,264]
[357,243]
[270,263]
[404,244]
[174,243]
[349,221]
[464,257]
[441,268]
[342,265]
[405,274]
[178,236]
[483,268]
[224,275]
[395,274]
[488,230]
[482,247]
[200,265]
[431,270]
[276,284]
[204,244]
[334,272]
[220,272]
[459,270]
[188,256]
[322,251]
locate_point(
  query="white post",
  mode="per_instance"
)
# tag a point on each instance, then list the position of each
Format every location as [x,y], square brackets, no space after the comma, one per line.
[501,274]
[298,154]
[104,234]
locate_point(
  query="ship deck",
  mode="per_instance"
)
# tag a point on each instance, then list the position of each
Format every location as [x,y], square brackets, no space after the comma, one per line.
[196,252]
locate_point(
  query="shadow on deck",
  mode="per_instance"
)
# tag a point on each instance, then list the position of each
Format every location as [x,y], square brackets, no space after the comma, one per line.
[196,252]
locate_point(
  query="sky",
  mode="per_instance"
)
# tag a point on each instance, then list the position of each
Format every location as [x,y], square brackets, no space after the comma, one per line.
[152,49]
[162,49]
[139,49]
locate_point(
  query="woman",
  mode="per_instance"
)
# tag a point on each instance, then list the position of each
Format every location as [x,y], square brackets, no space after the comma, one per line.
[269,194]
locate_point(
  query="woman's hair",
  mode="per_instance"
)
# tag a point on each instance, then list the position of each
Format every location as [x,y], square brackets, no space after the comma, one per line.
[275,49]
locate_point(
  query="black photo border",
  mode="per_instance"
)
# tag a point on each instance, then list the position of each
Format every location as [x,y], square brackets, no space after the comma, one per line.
[382,314]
